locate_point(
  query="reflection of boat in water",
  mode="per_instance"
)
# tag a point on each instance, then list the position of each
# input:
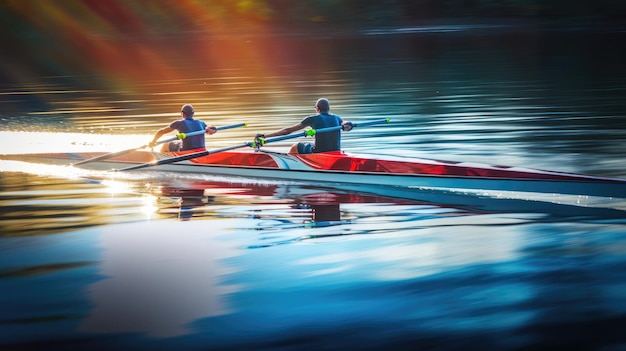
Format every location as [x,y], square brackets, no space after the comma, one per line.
[195,201]
[184,202]
[352,169]
[324,203]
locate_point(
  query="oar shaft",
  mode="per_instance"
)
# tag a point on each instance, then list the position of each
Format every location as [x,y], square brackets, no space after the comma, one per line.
[180,136]
[285,137]
[109,155]
[198,132]
[312,132]
[185,157]
[231,126]
[369,123]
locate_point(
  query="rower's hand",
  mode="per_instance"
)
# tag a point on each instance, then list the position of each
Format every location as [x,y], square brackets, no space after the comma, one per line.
[211,130]
[152,144]
[347,126]
[259,139]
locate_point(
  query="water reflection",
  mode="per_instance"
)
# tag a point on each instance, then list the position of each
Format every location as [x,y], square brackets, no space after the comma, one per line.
[325,213]
[44,205]
[217,258]
[204,198]
[163,275]
[183,202]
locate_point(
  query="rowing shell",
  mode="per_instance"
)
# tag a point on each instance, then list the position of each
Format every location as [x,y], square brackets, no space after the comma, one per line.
[358,169]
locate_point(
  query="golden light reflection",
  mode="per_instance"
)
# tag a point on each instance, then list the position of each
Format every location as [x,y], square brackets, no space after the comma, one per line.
[46,199]
[44,169]
[117,187]
[148,206]
[43,142]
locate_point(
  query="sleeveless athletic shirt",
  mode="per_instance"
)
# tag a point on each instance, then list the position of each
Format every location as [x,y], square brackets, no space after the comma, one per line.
[187,125]
[329,141]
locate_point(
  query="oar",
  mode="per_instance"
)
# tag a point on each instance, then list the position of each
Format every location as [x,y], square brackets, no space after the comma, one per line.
[312,132]
[186,157]
[308,132]
[178,136]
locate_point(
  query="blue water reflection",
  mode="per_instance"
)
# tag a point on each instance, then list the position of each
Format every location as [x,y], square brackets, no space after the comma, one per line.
[158,277]
[258,273]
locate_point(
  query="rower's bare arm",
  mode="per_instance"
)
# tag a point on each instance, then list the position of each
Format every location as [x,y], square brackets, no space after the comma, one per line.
[159,133]
[285,131]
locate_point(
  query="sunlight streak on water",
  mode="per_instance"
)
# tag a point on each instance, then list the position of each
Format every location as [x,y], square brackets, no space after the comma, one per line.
[43,142]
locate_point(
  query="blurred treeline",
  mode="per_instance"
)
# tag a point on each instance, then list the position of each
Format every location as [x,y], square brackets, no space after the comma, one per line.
[354,12]
[29,18]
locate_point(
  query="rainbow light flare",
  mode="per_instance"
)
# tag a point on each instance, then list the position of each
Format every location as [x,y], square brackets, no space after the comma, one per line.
[126,66]
[128,42]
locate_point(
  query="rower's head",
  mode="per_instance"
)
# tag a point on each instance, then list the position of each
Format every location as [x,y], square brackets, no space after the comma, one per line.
[322,105]
[187,111]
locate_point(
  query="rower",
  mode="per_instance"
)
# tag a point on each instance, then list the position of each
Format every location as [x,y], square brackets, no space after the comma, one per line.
[184,125]
[324,142]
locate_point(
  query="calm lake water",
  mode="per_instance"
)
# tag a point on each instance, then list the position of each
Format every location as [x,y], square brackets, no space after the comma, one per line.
[157,260]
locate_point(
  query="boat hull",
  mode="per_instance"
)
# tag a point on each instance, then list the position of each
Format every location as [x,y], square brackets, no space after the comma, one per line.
[340,168]
[575,187]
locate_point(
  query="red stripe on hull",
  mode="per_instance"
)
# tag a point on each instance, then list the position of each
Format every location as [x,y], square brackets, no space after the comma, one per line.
[244,159]
[339,161]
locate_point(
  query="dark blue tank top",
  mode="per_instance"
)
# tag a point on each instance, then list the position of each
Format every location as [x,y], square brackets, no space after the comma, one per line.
[329,141]
[187,125]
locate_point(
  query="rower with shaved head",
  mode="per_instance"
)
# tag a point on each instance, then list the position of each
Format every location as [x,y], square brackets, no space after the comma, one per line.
[185,124]
[324,142]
